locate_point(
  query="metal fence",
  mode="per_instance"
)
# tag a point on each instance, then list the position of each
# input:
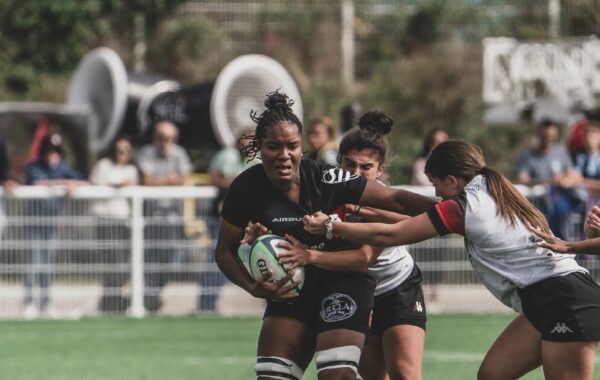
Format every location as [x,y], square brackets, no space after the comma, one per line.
[144,250]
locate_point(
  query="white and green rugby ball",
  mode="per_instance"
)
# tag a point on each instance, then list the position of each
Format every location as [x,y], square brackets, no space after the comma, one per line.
[263,257]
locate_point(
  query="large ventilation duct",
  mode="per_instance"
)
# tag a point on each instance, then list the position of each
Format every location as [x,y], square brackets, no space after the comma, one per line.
[241,87]
[207,114]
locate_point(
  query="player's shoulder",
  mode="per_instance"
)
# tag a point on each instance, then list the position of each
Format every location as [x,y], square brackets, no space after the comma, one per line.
[326,174]
[253,176]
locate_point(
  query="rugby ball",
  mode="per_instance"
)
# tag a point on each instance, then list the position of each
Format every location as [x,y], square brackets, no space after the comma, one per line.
[263,257]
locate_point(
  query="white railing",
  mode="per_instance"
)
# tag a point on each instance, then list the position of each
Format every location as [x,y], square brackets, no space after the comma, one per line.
[153,251]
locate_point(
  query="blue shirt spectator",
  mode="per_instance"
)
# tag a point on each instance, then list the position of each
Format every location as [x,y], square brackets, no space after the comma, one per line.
[49,170]
[549,163]
[40,171]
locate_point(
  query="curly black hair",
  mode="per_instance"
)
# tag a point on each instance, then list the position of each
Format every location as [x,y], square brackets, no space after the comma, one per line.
[370,134]
[278,109]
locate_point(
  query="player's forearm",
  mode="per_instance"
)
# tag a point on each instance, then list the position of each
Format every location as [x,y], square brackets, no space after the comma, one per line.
[377,234]
[354,260]
[234,270]
[412,203]
[589,246]
[381,216]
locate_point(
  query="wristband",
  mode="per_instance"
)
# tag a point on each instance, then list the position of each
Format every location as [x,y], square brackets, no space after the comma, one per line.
[329,225]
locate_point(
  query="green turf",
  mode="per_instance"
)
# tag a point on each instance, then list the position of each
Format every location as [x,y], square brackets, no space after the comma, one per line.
[201,348]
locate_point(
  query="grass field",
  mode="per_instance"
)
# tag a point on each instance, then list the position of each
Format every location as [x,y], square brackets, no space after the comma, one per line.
[202,348]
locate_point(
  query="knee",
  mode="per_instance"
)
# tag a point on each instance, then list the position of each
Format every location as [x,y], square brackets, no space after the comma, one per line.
[338,363]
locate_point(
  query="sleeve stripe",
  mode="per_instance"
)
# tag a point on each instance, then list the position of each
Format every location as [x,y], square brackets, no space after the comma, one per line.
[437,221]
[451,215]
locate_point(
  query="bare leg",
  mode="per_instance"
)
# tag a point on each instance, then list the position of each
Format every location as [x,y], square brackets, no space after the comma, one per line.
[403,347]
[568,361]
[371,366]
[286,338]
[515,352]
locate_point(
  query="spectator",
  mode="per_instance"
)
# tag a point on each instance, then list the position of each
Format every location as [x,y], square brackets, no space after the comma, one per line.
[48,170]
[588,161]
[227,164]
[432,139]
[162,163]
[549,163]
[322,140]
[112,229]
[223,168]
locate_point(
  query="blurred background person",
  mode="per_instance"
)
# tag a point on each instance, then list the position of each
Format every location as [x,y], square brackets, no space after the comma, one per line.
[222,170]
[49,170]
[547,162]
[322,140]
[227,163]
[162,163]
[112,223]
[431,140]
[588,160]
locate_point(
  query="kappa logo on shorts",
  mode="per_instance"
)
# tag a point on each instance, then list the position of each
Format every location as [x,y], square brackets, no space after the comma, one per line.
[561,328]
[418,307]
[337,175]
[337,307]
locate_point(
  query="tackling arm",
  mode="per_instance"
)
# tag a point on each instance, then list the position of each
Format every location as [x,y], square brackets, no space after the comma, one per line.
[397,200]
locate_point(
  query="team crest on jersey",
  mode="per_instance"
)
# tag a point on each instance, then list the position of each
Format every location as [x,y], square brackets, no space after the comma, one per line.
[337,175]
[337,307]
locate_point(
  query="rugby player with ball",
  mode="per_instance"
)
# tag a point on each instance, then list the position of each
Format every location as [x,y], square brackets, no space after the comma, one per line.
[330,317]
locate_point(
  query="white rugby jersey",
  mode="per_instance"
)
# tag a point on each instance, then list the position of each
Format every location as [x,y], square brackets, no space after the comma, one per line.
[391,267]
[504,257]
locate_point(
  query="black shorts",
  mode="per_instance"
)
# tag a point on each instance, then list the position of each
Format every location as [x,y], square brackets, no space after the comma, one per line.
[404,305]
[564,308]
[340,304]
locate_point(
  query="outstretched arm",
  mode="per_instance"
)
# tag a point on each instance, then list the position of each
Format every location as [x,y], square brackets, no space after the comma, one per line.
[588,246]
[375,215]
[408,231]
[397,200]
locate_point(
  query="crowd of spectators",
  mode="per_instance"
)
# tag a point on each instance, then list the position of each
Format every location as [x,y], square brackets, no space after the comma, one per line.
[572,180]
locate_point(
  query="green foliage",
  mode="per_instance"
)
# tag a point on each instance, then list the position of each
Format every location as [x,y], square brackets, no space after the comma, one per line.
[51,36]
[583,18]
[183,49]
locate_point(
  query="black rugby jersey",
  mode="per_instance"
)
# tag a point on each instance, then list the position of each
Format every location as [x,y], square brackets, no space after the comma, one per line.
[252,197]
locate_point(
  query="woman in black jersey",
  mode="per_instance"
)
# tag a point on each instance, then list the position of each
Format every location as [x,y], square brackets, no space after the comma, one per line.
[394,347]
[331,315]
